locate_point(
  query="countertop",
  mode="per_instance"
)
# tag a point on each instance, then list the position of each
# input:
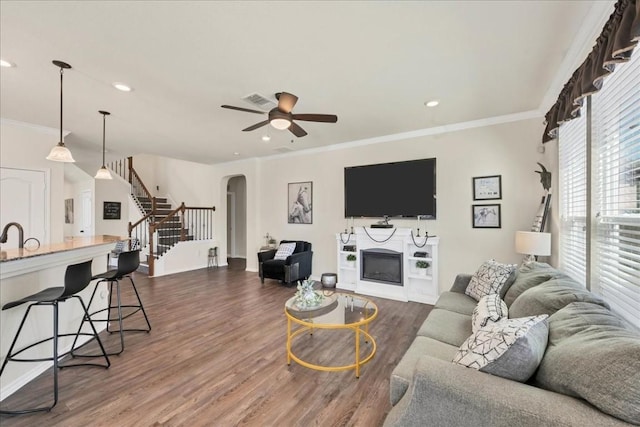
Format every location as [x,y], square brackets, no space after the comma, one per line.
[68,245]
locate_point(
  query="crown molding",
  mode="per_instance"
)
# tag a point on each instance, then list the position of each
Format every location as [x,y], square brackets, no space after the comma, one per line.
[38,128]
[437,130]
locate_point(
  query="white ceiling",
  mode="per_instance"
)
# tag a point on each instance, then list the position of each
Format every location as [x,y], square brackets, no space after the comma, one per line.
[372,63]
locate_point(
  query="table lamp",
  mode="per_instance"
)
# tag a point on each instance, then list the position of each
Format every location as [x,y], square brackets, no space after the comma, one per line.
[533,244]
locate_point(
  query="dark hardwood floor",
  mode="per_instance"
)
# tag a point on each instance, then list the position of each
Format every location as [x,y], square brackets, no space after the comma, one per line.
[216,357]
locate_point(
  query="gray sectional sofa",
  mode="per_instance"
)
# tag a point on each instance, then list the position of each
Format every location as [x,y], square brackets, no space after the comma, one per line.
[589,374]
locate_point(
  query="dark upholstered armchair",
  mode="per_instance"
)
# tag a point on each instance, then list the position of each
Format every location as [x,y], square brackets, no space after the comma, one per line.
[296,267]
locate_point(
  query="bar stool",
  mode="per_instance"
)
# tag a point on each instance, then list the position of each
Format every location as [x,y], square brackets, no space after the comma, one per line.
[128,262]
[77,277]
[213,257]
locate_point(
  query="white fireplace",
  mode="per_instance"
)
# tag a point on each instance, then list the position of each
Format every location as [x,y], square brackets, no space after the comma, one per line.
[386,264]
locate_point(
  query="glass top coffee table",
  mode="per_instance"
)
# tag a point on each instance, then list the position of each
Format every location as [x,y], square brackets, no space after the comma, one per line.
[337,312]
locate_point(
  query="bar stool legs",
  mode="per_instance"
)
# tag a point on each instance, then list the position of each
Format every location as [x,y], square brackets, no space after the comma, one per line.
[213,257]
[11,355]
[120,317]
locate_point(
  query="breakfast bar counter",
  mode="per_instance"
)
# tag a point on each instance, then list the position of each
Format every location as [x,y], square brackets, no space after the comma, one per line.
[27,271]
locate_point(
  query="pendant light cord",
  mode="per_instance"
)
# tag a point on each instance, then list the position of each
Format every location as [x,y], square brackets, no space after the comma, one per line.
[104,121]
[61,74]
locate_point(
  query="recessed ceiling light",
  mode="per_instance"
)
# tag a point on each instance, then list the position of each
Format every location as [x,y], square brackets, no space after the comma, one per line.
[432,103]
[123,87]
[236,153]
[266,138]
[6,64]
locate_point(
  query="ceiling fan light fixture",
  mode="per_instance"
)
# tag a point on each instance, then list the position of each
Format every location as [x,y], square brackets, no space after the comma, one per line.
[280,124]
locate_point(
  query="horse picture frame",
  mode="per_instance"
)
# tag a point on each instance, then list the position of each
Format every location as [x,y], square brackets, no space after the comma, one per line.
[300,202]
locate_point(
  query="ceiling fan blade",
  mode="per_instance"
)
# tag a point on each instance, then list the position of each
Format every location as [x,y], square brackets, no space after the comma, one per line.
[327,118]
[247,110]
[297,130]
[256,126]
[286,101]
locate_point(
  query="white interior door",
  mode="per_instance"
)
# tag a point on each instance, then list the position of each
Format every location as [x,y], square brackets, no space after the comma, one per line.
[86,201]
[24,199]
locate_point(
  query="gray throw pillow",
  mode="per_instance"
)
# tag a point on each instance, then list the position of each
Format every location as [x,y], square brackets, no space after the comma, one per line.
[551,296]
[529,275]
[510,348]
[594,355]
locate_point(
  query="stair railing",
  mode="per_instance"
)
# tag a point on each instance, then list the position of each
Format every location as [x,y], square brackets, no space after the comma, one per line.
[195,223]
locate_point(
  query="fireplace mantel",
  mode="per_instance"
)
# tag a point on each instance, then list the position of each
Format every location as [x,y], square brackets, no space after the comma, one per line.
[417,285]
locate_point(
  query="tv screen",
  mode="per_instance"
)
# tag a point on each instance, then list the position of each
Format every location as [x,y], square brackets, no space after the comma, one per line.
[399,189]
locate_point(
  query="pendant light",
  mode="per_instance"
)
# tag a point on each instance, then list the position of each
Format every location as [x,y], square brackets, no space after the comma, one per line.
[103,172]
[60,153]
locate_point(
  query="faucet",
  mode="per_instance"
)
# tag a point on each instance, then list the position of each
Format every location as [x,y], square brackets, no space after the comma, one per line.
[4,236]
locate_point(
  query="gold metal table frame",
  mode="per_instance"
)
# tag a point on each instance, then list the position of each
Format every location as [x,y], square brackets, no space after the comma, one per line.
[338,301]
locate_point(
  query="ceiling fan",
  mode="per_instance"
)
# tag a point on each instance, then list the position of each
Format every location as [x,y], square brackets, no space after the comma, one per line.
[282,118]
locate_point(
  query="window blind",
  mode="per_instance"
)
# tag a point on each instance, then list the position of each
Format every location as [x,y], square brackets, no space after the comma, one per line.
[572,158]
[616,178]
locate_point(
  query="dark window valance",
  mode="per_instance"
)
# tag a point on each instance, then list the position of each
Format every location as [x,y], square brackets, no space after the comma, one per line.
[615,44]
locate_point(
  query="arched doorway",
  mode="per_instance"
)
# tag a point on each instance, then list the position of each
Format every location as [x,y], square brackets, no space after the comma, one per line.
[237,221]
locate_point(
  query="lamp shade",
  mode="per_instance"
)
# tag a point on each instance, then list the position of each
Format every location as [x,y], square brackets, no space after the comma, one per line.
[60,153]
[533,243]
[103,173]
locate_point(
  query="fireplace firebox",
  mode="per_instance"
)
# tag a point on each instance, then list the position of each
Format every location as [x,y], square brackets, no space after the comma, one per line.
[382,266]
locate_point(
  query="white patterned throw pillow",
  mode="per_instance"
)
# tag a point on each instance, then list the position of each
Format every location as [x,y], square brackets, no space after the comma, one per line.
[490,308]
[510,348]
[284,250]
[489,279]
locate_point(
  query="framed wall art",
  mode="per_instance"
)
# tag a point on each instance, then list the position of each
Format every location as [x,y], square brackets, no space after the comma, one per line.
[111,210]
[300,202]
[486,216]
[68,211]
[487,187]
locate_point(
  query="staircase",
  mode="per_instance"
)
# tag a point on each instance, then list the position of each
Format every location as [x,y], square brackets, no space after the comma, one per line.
[170,231]
[162,226]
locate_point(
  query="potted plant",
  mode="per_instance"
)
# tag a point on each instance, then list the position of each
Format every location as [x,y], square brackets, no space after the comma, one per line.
[351,260]
[422,266]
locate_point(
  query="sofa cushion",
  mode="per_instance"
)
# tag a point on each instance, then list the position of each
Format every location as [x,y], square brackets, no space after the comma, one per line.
[511,348]
[551,296]
[446,326]
[284,250]
[594,355]
[455,301]
[529,275]
[490,278]
[490,308]
[402,374]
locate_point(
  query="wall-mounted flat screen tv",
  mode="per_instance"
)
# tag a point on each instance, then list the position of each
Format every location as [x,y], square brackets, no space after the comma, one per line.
[398,189]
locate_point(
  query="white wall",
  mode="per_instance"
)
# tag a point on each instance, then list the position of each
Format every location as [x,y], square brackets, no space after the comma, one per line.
[508,149]
[113,190]
[25,147]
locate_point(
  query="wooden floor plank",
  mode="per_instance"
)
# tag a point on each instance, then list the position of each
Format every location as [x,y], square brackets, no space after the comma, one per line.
[216,356]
